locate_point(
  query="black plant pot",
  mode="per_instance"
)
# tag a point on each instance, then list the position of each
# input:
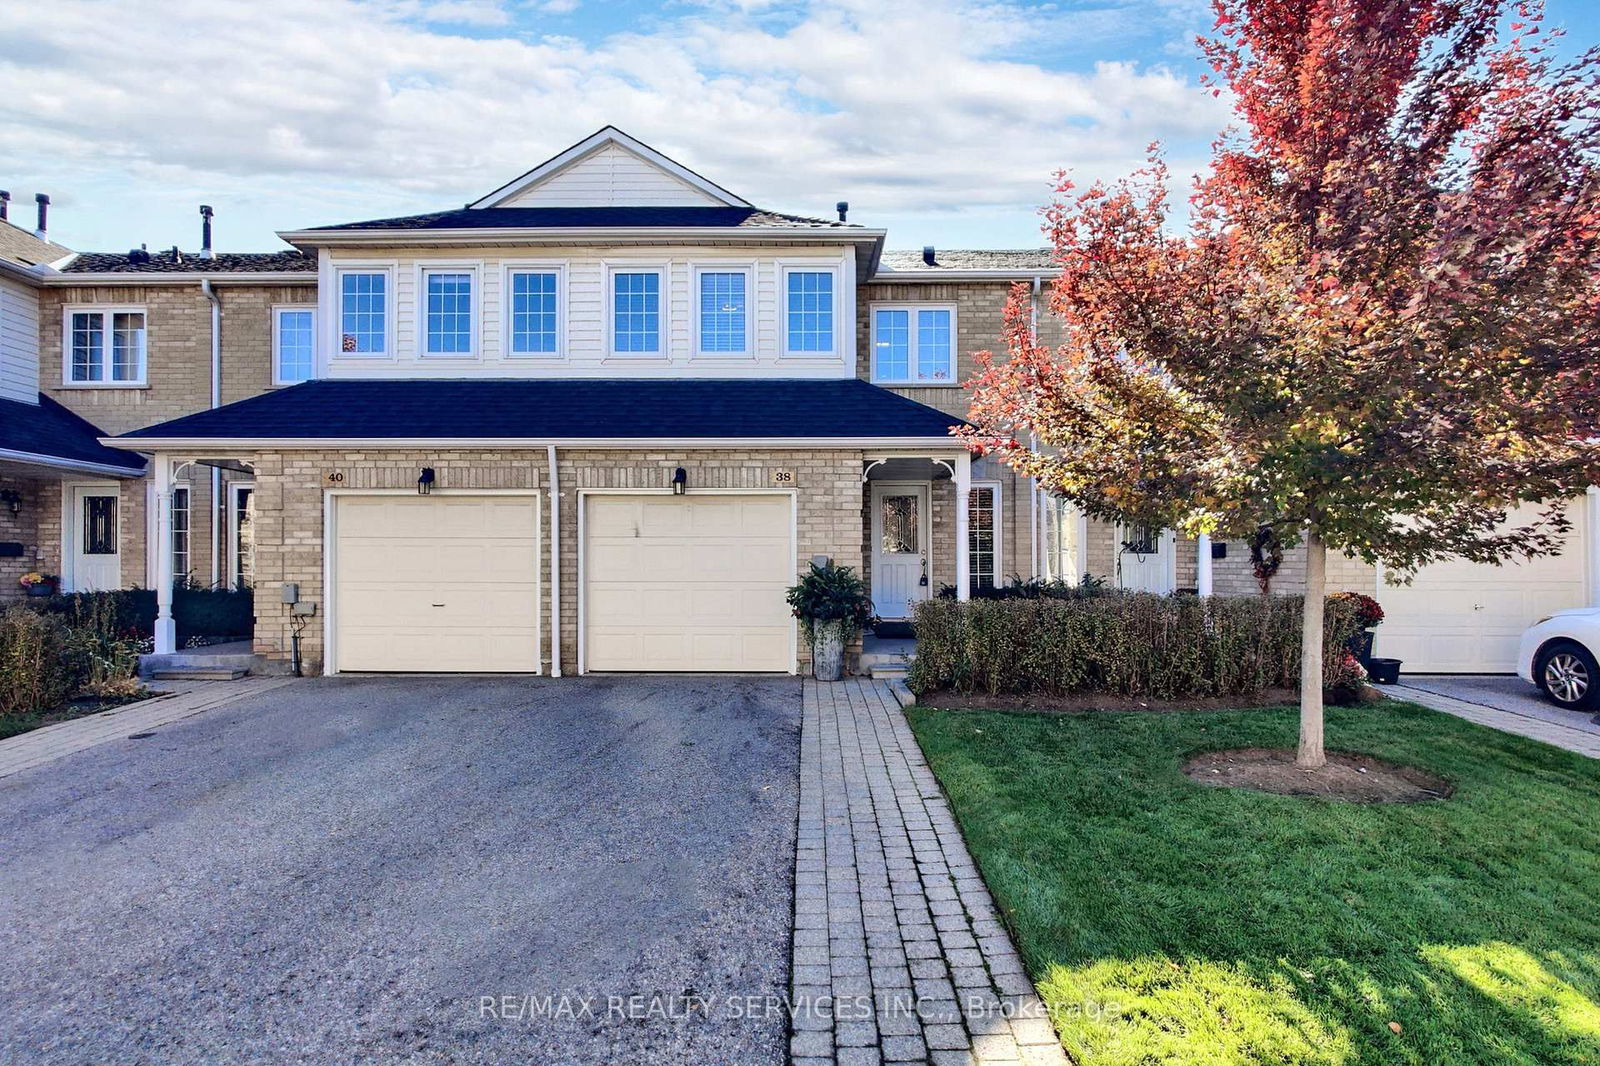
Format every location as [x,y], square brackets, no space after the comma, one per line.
[1384,671]
[1360,646]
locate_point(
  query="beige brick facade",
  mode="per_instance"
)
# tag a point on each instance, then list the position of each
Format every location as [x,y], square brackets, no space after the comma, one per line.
[291,488]
[177,383]
[22,528]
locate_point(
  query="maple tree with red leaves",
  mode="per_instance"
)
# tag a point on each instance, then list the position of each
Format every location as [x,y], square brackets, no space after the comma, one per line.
[1379,334]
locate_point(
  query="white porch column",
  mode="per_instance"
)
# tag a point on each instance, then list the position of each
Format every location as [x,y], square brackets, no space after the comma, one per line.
[166,634]
[1202,564]
[963,548]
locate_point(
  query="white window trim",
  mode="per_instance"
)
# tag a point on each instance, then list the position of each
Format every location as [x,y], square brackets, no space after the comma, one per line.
[106,311]
[749,272]
[232,491]
[474,308]
[999,527]
[911,308]
[533,266]
[336,323]
[278,380]
[800,266]
[663,322]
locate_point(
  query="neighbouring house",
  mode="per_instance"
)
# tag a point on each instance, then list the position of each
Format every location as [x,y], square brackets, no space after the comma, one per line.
[596,420]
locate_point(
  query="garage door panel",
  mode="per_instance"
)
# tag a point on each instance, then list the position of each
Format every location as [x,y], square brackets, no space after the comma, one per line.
[1461,617]
[687,583]
[437,583]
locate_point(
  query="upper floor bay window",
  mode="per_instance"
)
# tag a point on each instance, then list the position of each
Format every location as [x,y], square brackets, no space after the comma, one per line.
[636,312]
[535,323]
[913,345]
[449,312]
[724,311]
[294,335]
[364,312]
[809,303]
[105,346]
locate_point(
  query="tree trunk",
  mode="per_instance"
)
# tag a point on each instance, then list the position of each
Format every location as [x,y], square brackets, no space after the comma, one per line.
[1310,755]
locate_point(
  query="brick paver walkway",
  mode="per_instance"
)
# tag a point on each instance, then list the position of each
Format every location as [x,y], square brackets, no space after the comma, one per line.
[1573,738]
[899,953]
[51,742]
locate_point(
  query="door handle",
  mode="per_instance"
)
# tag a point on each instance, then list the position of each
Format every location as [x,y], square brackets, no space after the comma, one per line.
[438,605]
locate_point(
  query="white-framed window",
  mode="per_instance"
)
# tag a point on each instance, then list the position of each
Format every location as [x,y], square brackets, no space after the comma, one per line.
[294,344]
[722,310]
[983,534]
[637,313]
[104,346]
[363,312]
[811,309]
[180,534]
[533,311]
[448,311]
[913,344]
[1061,553]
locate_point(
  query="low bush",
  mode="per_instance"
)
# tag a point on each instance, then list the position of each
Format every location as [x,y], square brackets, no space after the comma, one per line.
[48,658]
[217,614]
[1035,588]
[1132,644]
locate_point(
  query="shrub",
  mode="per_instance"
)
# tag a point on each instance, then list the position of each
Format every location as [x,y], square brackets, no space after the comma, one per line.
[198,612]
[35,670]
[1036,589]
[1129,644]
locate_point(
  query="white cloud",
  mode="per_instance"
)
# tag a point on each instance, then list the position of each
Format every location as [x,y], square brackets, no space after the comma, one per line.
[309,111]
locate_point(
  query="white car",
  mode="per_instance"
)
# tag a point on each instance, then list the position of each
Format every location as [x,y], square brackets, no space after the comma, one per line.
[1558,655]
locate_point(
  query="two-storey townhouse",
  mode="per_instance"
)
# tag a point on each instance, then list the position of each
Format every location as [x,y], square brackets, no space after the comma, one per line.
[597,419]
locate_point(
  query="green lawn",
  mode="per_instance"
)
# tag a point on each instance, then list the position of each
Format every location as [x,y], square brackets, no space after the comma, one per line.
[1166,922]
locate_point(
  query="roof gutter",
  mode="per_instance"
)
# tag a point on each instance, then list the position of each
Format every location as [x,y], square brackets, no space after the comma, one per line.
[57,463]
[161,277]
[576,234]
[151,444]
[1020,274]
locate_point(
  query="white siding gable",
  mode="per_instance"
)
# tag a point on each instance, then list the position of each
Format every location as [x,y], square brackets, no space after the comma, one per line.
[19,342]
[612,176]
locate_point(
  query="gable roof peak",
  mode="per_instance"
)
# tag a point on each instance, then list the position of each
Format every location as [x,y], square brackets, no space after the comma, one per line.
[610,168]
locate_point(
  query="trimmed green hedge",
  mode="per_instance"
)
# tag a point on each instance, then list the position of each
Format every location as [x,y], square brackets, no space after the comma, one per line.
[1134,644]
[219,614]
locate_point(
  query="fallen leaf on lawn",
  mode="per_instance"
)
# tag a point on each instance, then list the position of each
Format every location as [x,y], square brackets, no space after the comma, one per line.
[1394,1026]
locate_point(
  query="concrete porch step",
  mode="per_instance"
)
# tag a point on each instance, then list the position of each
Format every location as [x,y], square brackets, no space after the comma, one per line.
[887,671]
[225,660]
[214,673]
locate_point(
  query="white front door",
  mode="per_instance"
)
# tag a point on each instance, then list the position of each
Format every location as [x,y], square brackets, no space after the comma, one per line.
[96,540]
[899,548]
[1144,558]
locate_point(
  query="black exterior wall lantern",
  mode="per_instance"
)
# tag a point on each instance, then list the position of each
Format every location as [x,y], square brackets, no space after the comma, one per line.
[680,481]
[425,481]
[12,499]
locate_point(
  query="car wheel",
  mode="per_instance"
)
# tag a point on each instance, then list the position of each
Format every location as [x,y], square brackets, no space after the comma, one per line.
[1569,675]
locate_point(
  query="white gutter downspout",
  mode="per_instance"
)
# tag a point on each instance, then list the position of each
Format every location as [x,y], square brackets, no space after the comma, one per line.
[1034,510]
[218,508]
[555,566]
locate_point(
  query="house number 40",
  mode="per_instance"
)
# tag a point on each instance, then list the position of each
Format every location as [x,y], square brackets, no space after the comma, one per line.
[335,477]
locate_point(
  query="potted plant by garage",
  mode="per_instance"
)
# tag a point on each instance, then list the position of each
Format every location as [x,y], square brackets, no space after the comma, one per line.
[833,606]
[37,584]
[1369,614]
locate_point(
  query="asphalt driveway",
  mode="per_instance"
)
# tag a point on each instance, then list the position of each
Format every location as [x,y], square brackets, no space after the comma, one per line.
[417,869]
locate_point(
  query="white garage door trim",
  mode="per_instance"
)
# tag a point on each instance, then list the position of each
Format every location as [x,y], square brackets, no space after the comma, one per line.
[583,583]
[330,541]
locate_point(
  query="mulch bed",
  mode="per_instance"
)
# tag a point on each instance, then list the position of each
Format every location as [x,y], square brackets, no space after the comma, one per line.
[1099,701]
[1350,777]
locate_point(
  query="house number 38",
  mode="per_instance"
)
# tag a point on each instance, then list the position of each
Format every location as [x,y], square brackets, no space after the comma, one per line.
[783,477]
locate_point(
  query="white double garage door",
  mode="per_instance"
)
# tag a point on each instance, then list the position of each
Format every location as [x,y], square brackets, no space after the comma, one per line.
[453,583]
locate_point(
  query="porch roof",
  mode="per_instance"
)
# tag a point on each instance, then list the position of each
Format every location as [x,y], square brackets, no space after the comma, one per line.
[555,410]
[47,434]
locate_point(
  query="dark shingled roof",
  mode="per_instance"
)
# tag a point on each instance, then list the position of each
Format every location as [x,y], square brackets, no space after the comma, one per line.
[564,409]
[579,217]
[170,262]
[1029,260]
[48,429]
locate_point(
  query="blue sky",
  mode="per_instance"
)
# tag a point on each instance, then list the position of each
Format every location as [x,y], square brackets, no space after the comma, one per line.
[941,120]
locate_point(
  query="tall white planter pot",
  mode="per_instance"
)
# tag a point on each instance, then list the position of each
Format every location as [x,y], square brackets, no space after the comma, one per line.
[827,650]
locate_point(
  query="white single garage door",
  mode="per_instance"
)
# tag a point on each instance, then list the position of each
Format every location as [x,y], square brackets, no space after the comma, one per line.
[436,583]
[1461,617]
[688,583]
